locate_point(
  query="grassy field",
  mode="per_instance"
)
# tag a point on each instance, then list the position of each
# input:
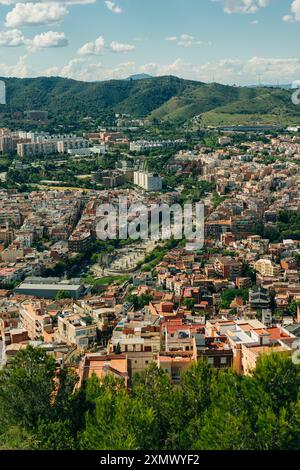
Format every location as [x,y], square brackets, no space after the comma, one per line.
[212,118]
[106,280]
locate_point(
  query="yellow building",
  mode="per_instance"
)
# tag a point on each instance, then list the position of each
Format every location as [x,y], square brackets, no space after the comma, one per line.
[35,319]
[266,268]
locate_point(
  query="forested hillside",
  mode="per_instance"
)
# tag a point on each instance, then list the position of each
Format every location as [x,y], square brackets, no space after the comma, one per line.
[165,98]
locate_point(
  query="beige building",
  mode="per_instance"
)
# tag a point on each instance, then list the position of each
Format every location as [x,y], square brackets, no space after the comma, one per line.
[250,355]
[35,320]
[33,149]
[6,233]
[71,144]
[78,329]
[174,365]
[147,181]
[266,268]
[139,340]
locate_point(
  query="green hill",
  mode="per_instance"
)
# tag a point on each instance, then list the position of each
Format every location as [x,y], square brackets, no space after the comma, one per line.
[165,98]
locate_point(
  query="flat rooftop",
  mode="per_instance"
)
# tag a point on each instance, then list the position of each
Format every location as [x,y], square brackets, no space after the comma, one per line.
[63,287]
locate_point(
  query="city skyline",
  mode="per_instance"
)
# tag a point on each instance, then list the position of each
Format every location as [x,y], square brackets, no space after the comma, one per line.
[227,41]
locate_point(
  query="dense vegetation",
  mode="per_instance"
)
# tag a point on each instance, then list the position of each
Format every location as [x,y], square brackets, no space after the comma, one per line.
[229,295]
[286,227]
[208,410]
[163,98]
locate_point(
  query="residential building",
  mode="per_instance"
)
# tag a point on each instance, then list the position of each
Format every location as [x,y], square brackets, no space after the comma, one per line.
[35,319]
[266,268]
[77,329]
[148,181]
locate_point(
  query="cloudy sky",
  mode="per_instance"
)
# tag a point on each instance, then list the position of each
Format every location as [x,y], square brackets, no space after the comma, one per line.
[229,41]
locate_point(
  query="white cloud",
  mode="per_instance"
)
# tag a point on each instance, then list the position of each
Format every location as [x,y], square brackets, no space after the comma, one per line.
[266,70]
[20,69]
[49,39]
[295,12]
[186,40]
[92,48]
[66,2]
[35,14]
[113,7]
[121,47]
[228,71]
[97,47]
[171,38]
[243,6]
[12,38]
[84,68]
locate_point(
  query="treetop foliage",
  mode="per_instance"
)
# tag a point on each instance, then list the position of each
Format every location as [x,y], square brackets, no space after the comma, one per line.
[208,410]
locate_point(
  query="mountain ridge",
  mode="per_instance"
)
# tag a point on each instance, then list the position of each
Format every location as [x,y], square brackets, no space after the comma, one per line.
[166,98]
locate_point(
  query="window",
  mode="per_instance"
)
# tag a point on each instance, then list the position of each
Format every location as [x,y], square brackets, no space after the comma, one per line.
[223,360]
[211,361]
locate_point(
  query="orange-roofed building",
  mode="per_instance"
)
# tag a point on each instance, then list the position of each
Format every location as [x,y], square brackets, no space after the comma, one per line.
[161,308]
[175,364]
[115,365]
[237,302]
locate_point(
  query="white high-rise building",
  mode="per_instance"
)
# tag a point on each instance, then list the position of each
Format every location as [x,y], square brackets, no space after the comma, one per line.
[148,181]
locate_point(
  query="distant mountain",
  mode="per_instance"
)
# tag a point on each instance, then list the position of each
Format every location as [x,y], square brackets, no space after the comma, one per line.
[166,98]
[139,76]
[287,86]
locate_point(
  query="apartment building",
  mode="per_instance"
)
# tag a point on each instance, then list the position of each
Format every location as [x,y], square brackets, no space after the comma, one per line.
[6,144]
[34,149]
[140,340]
[78,329]
[63,146]
[177,336]
[147,181]
[266,268]
[79,241]
[228,268]
[259,298]
[215,228]
[175,364]
[35,319]
[243,225]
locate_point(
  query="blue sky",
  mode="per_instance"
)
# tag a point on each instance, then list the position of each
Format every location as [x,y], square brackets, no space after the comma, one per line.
[229,41]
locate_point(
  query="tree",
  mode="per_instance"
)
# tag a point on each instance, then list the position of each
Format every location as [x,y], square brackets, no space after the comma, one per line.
[62,295]
[119,421]
[155,389]
[228,295]
[139,302]
[29,379]
[208,409]
[190,304]
[36,403]
[292,308]
[17,438]
[278,376]
[55,435]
